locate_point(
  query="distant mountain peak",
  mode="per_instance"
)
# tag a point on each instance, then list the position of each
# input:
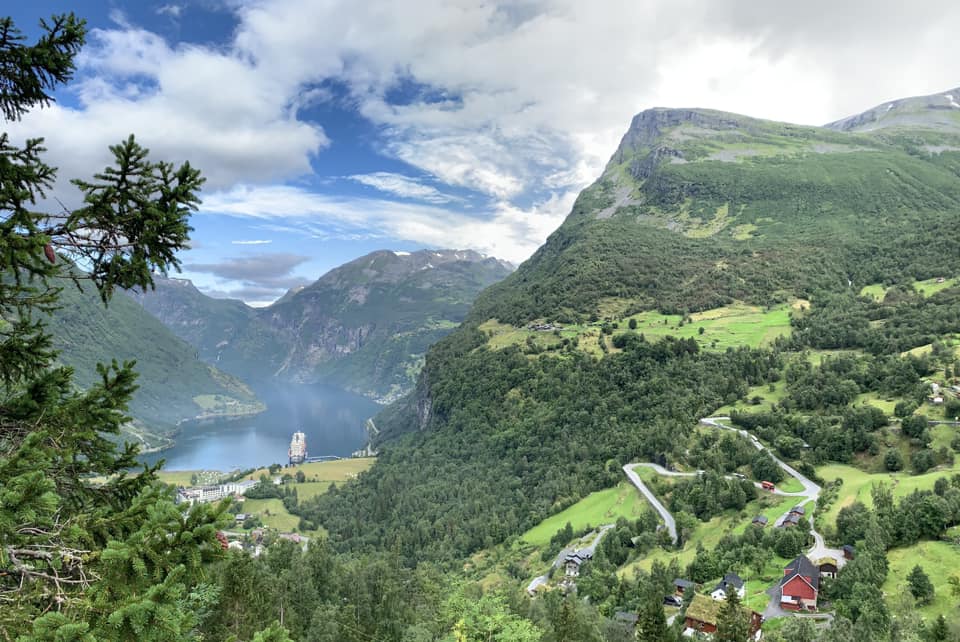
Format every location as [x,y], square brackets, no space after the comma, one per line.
[939,111]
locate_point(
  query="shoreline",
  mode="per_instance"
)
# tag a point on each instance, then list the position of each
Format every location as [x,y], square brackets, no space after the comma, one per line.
[170,438]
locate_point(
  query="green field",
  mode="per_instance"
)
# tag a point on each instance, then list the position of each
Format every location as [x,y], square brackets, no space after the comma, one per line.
[790,485]
[927,288]
[307,490]
[857,483]
[767,398]
[717,329]
[873,399]
[729,326]
[710,532]
[273,513]
[931,287]
[596,509]
[875,291]
[939,560]
[339,470]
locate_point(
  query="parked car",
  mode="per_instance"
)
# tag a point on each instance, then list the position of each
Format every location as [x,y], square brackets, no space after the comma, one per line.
[672,600]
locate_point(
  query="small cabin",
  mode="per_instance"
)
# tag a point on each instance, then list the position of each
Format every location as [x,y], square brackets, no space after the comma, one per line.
[681,585]
[828,567]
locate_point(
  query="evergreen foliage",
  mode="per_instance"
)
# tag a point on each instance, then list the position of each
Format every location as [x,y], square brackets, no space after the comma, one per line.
[82,560]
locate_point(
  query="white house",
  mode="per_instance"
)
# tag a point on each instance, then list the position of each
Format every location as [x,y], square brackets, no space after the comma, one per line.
[730,582]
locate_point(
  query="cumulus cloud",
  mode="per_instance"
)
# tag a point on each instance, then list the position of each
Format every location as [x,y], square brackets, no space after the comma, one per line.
[509,232]
[521,101]
[211,106]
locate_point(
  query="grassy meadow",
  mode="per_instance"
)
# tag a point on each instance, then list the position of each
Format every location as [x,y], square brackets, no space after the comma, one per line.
[596,509]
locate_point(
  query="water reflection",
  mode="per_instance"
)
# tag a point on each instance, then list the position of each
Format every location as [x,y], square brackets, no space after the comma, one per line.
[332,419]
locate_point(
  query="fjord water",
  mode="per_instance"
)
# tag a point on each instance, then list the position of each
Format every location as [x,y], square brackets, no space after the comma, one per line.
[332,419]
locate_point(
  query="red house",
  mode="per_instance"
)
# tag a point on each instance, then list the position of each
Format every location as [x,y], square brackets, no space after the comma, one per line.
[800,585]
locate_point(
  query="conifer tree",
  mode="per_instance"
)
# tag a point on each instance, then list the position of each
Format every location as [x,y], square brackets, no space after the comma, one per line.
[920,586]
[733,622]
[82,559]
[651,622]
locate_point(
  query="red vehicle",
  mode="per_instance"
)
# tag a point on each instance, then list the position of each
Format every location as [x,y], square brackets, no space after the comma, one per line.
[767,485]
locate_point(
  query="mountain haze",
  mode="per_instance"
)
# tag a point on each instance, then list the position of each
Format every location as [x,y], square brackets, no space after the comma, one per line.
[174,384]
[363,326]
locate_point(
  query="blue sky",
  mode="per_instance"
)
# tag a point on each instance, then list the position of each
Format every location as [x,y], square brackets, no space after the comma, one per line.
[331,129]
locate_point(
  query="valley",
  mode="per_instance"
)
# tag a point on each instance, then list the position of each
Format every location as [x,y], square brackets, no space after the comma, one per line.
[720,400]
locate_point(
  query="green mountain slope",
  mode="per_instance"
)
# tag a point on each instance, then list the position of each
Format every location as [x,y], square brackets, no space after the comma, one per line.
[364,326]
[174,384]
[697,210]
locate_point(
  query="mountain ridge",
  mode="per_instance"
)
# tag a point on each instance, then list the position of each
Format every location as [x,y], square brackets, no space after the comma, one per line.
[540,397]
[363,325]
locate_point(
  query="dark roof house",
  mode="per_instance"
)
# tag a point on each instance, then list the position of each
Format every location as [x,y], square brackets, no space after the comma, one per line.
[682,585]
[760,520]
[730,583]
[800,585]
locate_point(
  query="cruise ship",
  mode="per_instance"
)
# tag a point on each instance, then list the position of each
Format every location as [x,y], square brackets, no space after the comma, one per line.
[298,448]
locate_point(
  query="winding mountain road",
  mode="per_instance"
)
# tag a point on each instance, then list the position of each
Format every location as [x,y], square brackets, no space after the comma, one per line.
[810,492]
[646,492]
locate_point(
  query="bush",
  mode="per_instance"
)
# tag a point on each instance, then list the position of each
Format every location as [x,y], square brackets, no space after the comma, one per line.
[922,461]
[893,460]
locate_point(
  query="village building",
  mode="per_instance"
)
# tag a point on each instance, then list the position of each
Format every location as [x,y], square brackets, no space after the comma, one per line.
[792,519]
[828,567]
[800,585]
[703,614]
[681,585]
[573,561]
[849,552]
[760,520]
[731,582]
[214,493]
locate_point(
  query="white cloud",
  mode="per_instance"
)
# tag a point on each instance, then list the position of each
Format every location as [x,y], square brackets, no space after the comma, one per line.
[402,186]
[172,10]
[252,242]
[525,100]
[510,233]
[214,107]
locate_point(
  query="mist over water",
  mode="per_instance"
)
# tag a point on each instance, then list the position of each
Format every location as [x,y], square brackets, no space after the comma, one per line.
[332,419]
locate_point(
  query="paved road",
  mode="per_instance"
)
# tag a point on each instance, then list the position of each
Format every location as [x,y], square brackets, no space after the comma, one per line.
[660,508]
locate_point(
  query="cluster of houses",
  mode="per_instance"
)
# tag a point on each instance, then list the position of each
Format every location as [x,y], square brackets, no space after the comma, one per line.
[257,541]
[938,392]
[797,590]
[792,518]
[544,327]
[214,493]
[702,615]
